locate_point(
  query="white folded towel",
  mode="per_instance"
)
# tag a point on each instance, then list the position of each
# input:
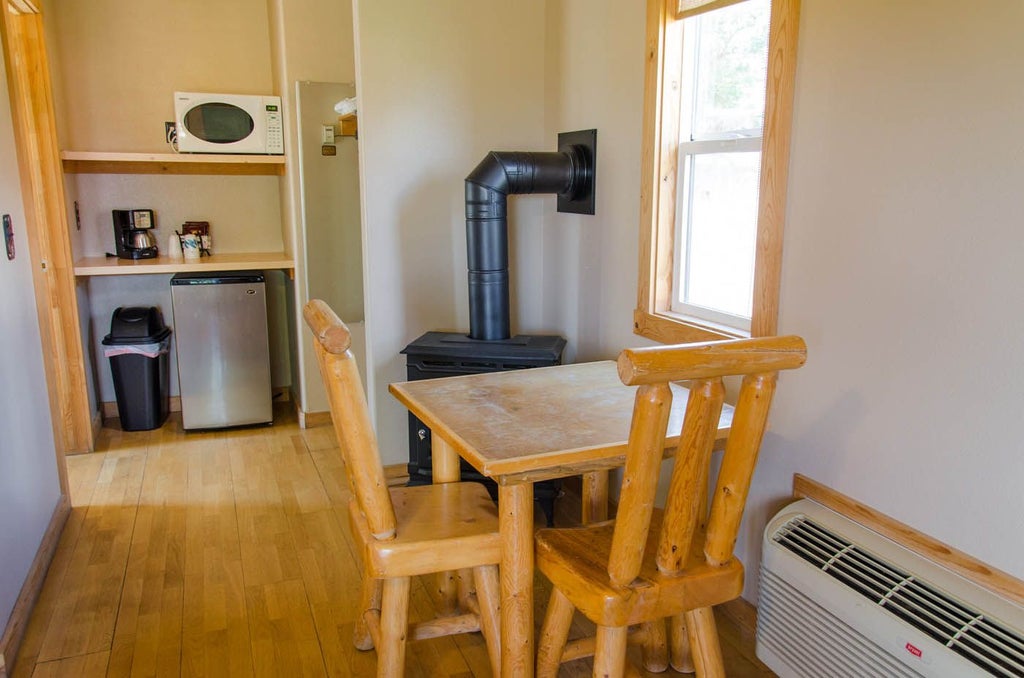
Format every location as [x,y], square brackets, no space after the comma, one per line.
[346,106]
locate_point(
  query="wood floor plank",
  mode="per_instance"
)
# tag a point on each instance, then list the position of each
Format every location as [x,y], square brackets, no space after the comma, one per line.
[83,666]
[228,553]
[85,613]
[147,638]
[215,634]
[284,637]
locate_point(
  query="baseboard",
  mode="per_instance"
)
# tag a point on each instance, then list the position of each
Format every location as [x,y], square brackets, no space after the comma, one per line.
[312,419]
[396,475]
[14,633]
[280,394]
[110,408]
[743,613]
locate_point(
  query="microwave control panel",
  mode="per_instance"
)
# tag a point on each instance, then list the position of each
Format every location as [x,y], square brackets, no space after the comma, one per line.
[275,130]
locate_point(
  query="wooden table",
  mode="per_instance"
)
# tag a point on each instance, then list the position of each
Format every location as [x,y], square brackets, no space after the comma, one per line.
[522,426]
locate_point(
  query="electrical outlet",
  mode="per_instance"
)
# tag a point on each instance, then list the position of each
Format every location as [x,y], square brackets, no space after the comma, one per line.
[327,136]
[170,132]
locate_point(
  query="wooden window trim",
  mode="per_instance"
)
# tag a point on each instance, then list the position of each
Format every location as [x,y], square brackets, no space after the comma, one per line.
[659,158]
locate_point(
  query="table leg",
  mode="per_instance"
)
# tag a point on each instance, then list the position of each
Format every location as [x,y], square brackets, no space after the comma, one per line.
[445,469]
[594,507]
[515,522]
[444,461]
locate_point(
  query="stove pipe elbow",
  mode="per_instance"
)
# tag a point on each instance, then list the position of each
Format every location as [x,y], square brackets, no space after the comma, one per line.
[500,174]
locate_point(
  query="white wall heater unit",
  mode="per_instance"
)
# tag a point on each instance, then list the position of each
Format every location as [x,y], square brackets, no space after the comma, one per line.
[840,600]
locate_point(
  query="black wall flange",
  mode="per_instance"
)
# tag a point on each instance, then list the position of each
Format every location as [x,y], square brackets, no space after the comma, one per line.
[570,172]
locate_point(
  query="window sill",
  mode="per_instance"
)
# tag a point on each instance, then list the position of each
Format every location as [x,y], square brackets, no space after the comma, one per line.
[669,328]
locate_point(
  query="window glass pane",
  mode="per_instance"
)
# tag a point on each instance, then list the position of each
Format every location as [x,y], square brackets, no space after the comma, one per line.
[720,240]
[732,58]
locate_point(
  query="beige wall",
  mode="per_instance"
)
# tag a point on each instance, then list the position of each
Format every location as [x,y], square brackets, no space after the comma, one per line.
[901,256]
[901,250]
[440,84]
[902,269]
[116,65]
[595,53]
[122,61]
[312,41]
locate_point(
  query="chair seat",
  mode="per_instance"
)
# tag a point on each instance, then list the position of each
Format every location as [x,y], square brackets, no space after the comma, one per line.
[440,527]
[576,562]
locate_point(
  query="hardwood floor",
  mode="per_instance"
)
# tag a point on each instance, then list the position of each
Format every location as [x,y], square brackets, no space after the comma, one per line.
[227,553]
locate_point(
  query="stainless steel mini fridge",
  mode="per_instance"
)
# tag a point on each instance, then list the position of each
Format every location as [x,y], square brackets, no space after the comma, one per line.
[220,335]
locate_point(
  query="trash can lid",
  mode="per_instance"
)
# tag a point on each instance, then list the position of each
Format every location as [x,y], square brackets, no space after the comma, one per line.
[136,325]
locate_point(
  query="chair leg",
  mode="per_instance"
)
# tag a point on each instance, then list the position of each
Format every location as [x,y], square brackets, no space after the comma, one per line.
[553,634]
[707,652]
[448,593]
[610,653]
[369,600]
[465,588]
[394,624]
[488,595]
[681,657]
[655,646]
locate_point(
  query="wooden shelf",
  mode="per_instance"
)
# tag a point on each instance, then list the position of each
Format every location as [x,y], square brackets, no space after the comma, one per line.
[348,125]
[91,162]
[91,266]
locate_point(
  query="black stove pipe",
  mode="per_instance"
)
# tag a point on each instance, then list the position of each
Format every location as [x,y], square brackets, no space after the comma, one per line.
[500,174]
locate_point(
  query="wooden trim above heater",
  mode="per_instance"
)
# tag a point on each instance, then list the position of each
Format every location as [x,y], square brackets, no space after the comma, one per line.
[966,566]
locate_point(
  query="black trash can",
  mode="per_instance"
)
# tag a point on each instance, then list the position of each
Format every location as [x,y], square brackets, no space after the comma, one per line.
[137,348]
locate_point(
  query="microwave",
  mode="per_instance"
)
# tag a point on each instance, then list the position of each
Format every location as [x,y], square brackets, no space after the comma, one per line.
[228,123]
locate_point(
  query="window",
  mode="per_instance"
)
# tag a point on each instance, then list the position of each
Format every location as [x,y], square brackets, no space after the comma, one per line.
[718,100]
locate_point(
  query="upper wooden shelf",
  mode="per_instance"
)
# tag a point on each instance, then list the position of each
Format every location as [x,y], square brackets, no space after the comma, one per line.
[90,266]
[92,162]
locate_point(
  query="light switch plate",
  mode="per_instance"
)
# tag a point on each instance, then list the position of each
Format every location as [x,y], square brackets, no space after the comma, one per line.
[328,134]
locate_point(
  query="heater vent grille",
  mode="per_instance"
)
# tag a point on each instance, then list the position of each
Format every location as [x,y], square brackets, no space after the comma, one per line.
[988,644]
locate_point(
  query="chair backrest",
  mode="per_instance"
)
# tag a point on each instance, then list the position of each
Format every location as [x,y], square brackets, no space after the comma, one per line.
[704,365]
[351,417]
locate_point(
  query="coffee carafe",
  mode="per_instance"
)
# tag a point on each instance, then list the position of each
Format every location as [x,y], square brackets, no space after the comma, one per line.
[133,234]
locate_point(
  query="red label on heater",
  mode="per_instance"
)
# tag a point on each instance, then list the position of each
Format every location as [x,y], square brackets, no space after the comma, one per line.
[913,650]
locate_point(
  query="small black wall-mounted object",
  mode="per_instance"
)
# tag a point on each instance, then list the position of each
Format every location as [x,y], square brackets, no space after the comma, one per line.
[568,172]
[581,146]
[9,237]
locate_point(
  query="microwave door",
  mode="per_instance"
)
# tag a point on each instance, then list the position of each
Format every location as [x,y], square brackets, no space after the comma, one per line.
[219,123]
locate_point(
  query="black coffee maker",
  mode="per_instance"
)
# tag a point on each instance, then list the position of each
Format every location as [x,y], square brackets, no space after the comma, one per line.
[133,235]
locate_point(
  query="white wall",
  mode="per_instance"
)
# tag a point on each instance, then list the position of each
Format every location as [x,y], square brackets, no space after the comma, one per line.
[901,250]
[440,84]
[902,270]
[901,264]
[29,485]
[595,55]
[312,40]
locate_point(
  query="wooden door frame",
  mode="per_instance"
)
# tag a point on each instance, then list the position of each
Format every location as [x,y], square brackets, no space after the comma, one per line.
[42,188]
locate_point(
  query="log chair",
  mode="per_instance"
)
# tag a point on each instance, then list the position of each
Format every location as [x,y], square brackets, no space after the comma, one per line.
[686,564]
[404,532]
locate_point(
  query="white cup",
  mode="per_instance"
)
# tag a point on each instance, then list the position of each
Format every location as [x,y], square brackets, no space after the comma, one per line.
[190,246]
[174,246]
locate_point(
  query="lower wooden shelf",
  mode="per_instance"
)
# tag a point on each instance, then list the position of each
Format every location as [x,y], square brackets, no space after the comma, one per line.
[91,266]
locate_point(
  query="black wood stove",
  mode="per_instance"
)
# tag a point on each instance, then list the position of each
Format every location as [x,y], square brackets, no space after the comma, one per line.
[489,347]
[443,354]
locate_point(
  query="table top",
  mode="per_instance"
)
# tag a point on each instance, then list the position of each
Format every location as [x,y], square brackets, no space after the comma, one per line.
[547,422]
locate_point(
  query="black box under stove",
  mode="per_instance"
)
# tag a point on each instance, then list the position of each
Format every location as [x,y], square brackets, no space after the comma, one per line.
[449,354]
